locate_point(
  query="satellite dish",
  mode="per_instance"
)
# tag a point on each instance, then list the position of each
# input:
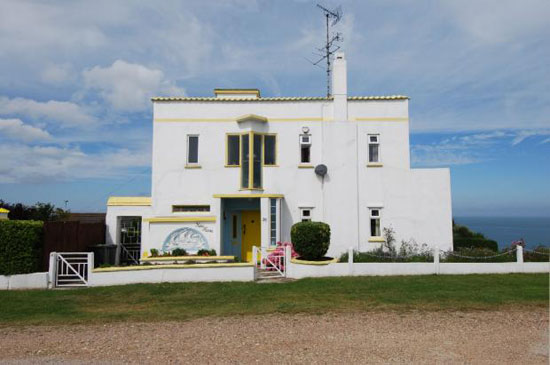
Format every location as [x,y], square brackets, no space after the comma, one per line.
[321,170]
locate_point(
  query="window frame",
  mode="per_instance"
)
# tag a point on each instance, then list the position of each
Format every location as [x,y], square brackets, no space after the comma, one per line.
[306,218]
[227,135]
[275,149]
[305,146]
[377,217]
[377,143]
[191,206]
[189,136]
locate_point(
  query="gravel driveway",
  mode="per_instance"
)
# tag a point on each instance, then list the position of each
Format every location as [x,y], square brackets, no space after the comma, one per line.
[496,337]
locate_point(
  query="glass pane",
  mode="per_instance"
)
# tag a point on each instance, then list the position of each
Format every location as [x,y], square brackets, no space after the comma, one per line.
[193,149]
[375,227]
[234,226]
[130,230]
[305,158]
[269,154]
[273,236]
[373,153]
[257,164]
[233,151]
[245,161]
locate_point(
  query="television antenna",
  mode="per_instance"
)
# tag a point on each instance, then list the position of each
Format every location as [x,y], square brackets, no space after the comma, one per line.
[332,17]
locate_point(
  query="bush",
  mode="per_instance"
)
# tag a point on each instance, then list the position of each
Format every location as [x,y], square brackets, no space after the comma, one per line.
[310,239]
[460,243]
[178,252]
[539,254]
[154,252]
[203,252]
[20,246]
[479,255]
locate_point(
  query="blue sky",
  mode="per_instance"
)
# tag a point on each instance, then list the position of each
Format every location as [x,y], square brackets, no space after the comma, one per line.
[76,78]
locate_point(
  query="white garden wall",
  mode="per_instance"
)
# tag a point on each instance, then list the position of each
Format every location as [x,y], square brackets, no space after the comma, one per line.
[37,280]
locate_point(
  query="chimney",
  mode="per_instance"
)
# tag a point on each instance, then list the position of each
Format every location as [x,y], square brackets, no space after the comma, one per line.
[340,87]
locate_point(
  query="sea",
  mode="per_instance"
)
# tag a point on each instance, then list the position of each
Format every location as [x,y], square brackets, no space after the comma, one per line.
[535,231]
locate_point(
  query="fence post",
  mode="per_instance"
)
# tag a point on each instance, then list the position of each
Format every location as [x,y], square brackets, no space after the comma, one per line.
[255,260]
[90,266]
[350,261]
[519,257]
[288,256]
[52,270]
[436,260]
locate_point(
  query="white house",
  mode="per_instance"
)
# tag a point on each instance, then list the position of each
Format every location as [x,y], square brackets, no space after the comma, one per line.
[237,170]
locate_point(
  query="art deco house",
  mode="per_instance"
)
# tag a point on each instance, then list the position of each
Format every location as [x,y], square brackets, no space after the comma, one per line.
[238,170]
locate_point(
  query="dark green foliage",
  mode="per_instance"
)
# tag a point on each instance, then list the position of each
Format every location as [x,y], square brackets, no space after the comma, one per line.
[475,242]
[464,238]
[154,252]
[310,239]
[179,252]
[204,252]
[479,255]
[378,255]
[20,244]
[38,212]
[540,254]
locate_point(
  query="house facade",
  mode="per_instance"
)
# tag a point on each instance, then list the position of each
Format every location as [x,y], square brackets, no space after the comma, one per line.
[238,170]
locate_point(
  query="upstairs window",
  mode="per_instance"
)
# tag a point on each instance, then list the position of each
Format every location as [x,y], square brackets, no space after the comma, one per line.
[192,149]
[270,150]
[233,150]
[375,222]
[374,148]
[305,214]
[305,148]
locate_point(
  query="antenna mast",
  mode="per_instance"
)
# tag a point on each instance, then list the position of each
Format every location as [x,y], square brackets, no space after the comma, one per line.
[329,47]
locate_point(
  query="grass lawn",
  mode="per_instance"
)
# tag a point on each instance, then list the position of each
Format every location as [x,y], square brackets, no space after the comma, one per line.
[157,302]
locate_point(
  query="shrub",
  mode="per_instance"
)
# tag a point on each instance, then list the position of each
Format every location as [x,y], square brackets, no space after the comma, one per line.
[179,252]
[460,243]
[20,246]
[479,255]
[310,239]
[154,252]
[539,254]
[203,252]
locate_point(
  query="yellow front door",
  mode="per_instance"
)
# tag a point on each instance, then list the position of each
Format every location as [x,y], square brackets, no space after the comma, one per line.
[251,229]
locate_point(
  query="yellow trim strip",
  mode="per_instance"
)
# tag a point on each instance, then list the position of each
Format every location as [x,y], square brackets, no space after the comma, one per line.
[306,262]
[377,239]
[129,201]
[305,166]
[381,119]
[180,219]
[172,266]
[181,258]
[193,166]
[251,117]
[375,164]
[4,210]
[248,196]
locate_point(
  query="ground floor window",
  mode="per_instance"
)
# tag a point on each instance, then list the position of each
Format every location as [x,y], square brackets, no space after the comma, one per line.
[375,222]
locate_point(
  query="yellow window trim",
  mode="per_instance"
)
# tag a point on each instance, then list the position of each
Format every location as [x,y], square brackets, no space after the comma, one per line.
[375,164]
[180,219]
[227,135]
[193,166]
[302,166]
[248,196]
[129,201]
[377,239]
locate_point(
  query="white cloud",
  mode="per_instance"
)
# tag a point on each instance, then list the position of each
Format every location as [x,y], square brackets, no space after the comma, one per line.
[68,114]
[16,129]
[58,74]
[128,86]
[37,164]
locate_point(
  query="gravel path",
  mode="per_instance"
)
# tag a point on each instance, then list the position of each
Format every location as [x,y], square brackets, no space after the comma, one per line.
[495,337]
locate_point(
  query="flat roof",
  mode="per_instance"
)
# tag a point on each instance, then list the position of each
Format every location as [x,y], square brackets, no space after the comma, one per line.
[283,98]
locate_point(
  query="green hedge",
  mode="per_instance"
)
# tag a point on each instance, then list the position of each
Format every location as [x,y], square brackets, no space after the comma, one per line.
[474,242]
[310,239]
[20,244]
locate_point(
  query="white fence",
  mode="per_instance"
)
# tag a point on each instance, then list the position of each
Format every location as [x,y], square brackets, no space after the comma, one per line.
[299,271]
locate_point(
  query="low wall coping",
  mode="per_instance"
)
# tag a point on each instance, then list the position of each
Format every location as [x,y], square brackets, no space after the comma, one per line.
[307,262]
[171,266]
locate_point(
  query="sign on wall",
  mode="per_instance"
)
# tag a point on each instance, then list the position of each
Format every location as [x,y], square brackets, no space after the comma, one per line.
[190,239]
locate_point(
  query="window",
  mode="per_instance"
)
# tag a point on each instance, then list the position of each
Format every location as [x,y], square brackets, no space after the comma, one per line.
[374,148]
[375,222]
[192,149]
[305,214]
[190,208]
[233,150]
[270,149]
[234,225]
[305,148]
[273,221]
